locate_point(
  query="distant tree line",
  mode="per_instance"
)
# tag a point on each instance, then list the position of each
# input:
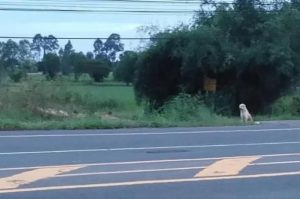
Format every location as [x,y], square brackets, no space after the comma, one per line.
[43,54]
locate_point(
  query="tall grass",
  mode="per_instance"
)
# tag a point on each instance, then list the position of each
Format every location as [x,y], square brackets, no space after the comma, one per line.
[24,102]
[286,107]
[187,110]
[24,106]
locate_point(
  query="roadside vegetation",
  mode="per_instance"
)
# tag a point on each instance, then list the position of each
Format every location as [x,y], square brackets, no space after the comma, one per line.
[249,50]
[63,104]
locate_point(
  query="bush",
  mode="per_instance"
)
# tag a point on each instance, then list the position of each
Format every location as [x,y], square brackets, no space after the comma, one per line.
[51,65]
[16,75]
[287,105]
[97,69]
[185,107]
[158,74]
[125,69]
[98,72]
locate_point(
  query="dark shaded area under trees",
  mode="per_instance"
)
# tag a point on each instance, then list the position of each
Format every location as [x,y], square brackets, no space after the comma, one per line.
[252,50]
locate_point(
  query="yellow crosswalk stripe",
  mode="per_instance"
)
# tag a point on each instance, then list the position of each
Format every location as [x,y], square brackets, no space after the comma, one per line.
[226,167]
[28,177]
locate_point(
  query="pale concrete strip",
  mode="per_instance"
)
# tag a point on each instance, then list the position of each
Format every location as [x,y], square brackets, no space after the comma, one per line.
[130,171]
[132,183]
[151,161]
[28,177]
[296,130]
[150,148]
[226,167]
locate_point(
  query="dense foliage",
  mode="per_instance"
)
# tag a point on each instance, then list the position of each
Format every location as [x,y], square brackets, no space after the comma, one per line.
[125,70]
[253,52]
[51,65]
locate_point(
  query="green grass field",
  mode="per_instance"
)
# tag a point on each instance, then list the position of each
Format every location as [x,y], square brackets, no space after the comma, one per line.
[65,104]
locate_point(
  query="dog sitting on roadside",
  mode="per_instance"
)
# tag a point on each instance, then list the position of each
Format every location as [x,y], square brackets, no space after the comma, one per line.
[244,113]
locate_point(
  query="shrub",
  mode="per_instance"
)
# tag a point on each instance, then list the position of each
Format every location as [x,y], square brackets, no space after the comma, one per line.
[98,72]
[125,69]
[287,105]
[97,69]
[185,107]
[16,75]
[51,65]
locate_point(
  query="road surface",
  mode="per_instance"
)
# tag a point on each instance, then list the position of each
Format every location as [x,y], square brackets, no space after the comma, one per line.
[257,162]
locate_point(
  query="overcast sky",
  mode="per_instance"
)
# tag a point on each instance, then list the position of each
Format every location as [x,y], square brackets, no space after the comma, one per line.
[75,24]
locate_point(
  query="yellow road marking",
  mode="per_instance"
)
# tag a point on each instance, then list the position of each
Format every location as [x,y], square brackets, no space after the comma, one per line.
[15,181]
[103,185]
[226,167]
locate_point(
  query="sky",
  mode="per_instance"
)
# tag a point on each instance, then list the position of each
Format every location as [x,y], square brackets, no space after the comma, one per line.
[79,24]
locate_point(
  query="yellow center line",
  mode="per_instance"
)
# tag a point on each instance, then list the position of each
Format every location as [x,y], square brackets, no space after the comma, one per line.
[132,183]
[226,167]
[28,177]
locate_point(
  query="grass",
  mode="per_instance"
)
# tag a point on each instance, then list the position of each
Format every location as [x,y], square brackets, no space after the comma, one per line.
[286,107]
[65,104]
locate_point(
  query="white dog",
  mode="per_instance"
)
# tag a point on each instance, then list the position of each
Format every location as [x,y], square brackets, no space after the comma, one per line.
[244,113]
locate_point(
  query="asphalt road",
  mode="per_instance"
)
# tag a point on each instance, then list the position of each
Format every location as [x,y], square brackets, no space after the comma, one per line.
[260,161]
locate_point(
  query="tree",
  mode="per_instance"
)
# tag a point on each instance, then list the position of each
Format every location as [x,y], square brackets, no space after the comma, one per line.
[244,47]
[77,61]
[89,55]
[97,70]
[46,44]
[68,48]
[126,67]
[108,50]
[66,65]
[24,51]
[158,73]
[112,46]
[10,52]
[50,44]
[51,65]
[61,53]
[98,47]
[37,43]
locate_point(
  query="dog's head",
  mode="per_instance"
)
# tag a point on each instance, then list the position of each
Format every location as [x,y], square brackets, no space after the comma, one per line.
[242,107]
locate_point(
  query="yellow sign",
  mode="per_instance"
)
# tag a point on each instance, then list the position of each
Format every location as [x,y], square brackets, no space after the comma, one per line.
[210,84]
